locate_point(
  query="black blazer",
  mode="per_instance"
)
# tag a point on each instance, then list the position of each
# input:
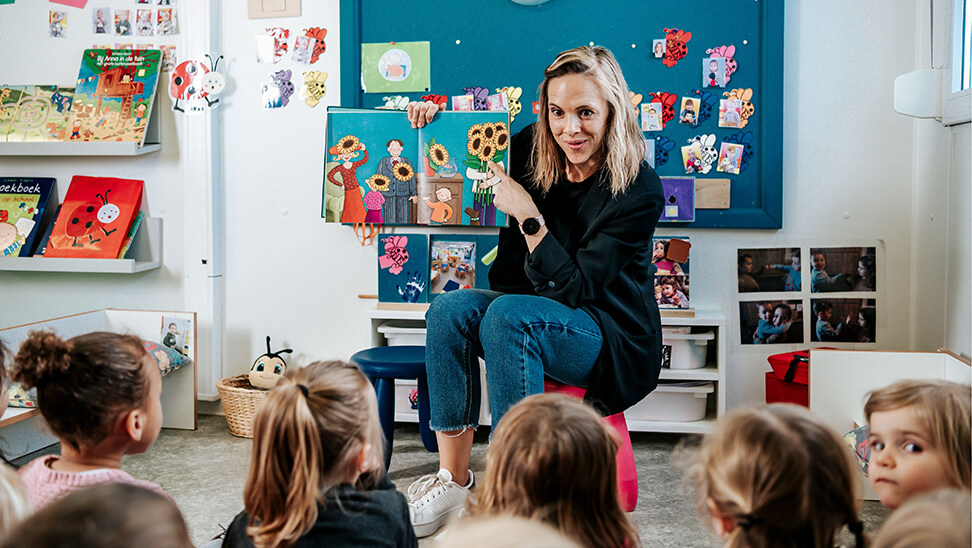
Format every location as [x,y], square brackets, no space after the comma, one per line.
[597,257]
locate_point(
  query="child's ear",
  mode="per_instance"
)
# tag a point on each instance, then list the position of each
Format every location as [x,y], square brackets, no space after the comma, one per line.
[723,524]
[133,425]
[362,462]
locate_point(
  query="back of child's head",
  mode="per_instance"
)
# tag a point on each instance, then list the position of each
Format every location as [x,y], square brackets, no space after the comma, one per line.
[821,307]
[316,429]
[504,531]
[85,383]
[779,477]
[541,441]
[111,515]
[14,505]
[937,518]
[944,410]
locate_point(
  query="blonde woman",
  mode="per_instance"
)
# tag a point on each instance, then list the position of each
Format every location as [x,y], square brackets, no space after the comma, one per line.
[572,297]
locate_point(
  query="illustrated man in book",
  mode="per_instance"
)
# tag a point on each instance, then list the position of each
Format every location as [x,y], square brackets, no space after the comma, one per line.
[401,190]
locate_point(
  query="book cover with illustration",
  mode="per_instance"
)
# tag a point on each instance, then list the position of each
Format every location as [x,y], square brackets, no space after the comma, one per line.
[670,259]
[114,95]
[27,206]
[95,217]
[380,170]
[34,113]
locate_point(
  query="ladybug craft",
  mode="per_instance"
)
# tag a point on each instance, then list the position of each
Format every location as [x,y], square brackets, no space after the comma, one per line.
[269,368]
[88,218]
[194,82]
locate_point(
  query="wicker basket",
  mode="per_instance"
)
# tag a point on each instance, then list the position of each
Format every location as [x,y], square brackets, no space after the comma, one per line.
[240,402]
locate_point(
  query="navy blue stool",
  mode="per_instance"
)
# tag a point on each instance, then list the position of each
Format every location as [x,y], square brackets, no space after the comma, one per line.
[384,364]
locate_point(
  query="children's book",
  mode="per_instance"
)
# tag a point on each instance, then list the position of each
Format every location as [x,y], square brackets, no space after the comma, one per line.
[26,208]
[46,236]
[114,95]
[34,113]
[380,170]
[670,259]
[130,236]
[95,217]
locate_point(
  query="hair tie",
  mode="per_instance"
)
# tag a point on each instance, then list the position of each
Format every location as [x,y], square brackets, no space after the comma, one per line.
[303,390]
[746,521]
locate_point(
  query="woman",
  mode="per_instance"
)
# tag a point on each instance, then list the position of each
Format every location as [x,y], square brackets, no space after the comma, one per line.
[354,209]
[573,289]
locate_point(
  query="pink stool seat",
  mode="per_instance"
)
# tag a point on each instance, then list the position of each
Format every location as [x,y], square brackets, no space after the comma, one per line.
[627,473]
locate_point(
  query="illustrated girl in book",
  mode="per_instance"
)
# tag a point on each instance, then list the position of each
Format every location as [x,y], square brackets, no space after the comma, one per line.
[346,149]
[374,199]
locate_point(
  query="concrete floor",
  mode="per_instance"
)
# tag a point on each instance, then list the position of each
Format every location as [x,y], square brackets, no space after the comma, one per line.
[205,470]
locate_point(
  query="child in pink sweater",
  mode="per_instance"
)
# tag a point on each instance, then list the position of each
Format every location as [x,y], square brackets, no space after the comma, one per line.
[100,394]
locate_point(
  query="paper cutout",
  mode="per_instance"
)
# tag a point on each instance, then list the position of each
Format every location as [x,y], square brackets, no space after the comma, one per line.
[714,72]
[662,146]
[708,153]
[440,100]
[743,138]
[730,113]
[395,102]
[635,99]
[318,34]
[725,52]
[196,84]
[57,24]
[675,46]
[743,96]
[689,111]
[730,157]
[651,117]
[479,97]
[395,67]
[313,89]
[280,37]
[277,90]
[396,255]
[100,20]
[72,3]
[668,104]
[513,98]
[707,101]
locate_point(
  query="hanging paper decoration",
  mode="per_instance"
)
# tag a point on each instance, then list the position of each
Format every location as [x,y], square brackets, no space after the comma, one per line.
[727,52]
[313,88]
[675,46]
[743,96]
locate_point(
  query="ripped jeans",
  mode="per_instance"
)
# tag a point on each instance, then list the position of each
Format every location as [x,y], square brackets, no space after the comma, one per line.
[520,337]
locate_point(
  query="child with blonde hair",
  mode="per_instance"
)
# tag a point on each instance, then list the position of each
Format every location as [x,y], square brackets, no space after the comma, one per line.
[777,476]
[552,459]
[317,477]
[920,432]
[100,394]
[938,518]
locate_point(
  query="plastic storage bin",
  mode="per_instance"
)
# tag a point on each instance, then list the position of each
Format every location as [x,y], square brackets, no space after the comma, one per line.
[399,333]
[682,402]
[688,350]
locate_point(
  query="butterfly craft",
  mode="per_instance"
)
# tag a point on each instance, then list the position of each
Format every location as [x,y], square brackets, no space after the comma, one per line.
[479,97]
[668,104]
[742,138]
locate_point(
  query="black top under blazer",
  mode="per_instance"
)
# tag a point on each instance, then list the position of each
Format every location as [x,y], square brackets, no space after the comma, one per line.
[597,257]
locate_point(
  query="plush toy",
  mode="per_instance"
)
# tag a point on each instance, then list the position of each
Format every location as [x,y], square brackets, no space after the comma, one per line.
[268,368]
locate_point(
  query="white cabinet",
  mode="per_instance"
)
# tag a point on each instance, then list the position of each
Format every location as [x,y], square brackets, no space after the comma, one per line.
[411,330]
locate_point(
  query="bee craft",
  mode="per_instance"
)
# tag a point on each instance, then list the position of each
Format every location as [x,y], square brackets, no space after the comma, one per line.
[268,368]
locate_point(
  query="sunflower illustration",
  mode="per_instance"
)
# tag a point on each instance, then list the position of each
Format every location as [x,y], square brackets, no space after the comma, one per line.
[487,152]
[502,136]
[438,154]
[474,131]
[378,182]
[475,145]
[403,171]
[347,144]
[489,131]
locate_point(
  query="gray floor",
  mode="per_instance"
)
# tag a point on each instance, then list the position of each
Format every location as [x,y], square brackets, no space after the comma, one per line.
[205,470]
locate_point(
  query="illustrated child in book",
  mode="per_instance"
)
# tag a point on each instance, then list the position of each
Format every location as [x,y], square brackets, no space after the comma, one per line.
[401,183]
[687,116]
[100,394]
[671,293]
[374,199]
[919,439]
[483,193]
[76,130]
[441,211]
[824,329]
[346,149]
[792,270]
[139,114]
[170,339]
[123,27]
[820,281]
[773,331]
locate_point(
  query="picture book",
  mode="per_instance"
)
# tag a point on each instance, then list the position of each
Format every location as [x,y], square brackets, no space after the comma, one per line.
[114,95]
[34,113]
[95,217]
[46,235]
[130,236]
[415,268]
[670,259]
[26,208]
[380,170]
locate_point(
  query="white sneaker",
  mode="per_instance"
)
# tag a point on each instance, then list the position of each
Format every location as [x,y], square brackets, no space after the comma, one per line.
[435,499]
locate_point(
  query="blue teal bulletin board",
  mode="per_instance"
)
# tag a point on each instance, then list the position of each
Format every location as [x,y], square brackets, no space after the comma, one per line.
[501,43]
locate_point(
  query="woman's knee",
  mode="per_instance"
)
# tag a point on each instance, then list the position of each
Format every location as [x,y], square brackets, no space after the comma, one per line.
[456,309]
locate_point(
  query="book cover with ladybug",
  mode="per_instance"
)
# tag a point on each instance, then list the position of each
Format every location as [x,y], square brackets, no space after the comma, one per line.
[26,206]
[114,95]
[95,217]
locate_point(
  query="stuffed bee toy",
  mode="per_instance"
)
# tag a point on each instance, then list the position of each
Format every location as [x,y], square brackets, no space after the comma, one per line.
[268,369]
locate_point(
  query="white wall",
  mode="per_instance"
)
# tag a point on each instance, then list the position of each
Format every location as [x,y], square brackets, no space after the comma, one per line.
[958,297]
[849,175]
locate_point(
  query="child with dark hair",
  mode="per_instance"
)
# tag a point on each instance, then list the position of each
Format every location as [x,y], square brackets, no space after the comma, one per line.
[100,394]
[13,498]
[820,281]
[824,329]
[747,282]
[866,325]
[671,293]
[865,274]
[773,323]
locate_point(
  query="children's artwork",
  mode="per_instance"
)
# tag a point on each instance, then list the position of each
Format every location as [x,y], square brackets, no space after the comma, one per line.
[689,111]
[318,34]
[707,152]
[730,156]
[395,67]
[462,103]
[277,89]
[94,217]
[303,49]
[692,158]
[114,95]
[667,101]
[843,269]
[101,20]
[746,107]
[57,24]
[658,48]
[194,85]
[771,322]
[169,58]
[662,147]
[769,270]
[26,208]
[498,101]
[844,320]
[34,113]
[714,72]
[670,258]
[676,41]
[635,99]
[395,102]
[313,89]
[745,139]
[479,95]
[403,268]
[434,175]
[441,100]
[452,263]
[730,113]
[123,23]
[725,52]
[176,334]
[512,99]
[166,22]
[706,102]
[679,195]
[272,46]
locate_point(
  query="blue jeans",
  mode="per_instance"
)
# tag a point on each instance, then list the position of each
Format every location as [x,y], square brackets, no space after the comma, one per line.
[520,337]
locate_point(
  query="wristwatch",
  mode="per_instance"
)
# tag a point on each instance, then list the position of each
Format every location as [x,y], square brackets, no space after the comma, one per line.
[531,225]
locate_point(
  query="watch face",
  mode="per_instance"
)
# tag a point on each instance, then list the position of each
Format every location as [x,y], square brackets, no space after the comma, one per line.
[530,226]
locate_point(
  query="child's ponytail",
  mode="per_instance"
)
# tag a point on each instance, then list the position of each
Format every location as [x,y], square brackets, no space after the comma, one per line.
[42,357]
